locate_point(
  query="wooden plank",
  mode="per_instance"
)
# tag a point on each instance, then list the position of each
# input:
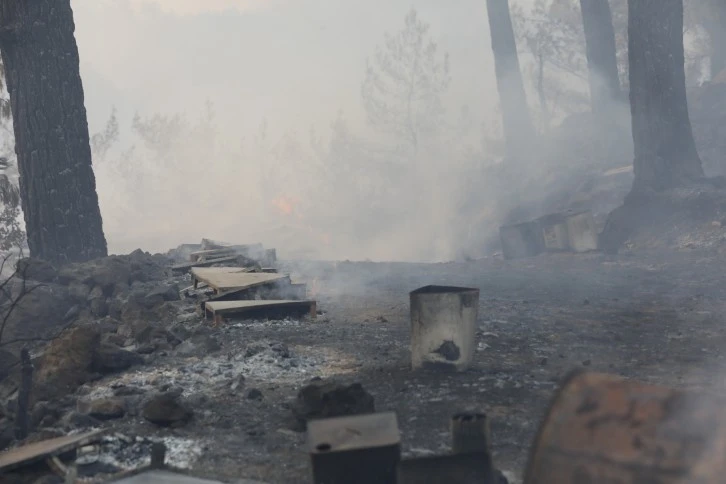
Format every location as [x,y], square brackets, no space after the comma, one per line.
[227,279]
[45,449]
[188,265]
[220,308]
[204,254]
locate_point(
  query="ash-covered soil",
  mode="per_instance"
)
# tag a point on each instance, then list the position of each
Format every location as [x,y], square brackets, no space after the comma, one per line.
[657,317]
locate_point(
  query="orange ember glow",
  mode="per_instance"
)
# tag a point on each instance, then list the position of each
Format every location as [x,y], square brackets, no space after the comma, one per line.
[284,204]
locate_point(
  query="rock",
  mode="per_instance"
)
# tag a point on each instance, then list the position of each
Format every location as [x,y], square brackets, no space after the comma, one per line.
[79,292]
[44,414]
[120,290]
[96,293]
[255,349]
[166,410]
[36,270]
[125,391]
[113,339]
[238,382]
[115,308]
[167,293]
[76,419]
[134,310]
[254,394]
[99,307]
[67,361]
[198,346]
[111,359]
[73,313]
[39,311]
[328,399]
[107,408]
[280,349]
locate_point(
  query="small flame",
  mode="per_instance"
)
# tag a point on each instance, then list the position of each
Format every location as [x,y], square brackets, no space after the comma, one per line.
[284,204]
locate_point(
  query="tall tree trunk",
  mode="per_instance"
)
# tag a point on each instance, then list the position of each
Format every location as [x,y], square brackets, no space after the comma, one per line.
[602,63]
[57,184]
[665,151]
[516,120]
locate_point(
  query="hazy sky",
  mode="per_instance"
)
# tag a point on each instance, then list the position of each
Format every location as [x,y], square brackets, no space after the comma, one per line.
[295,62]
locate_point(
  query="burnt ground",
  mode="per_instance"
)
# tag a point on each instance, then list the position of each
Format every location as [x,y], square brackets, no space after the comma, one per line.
[657,317]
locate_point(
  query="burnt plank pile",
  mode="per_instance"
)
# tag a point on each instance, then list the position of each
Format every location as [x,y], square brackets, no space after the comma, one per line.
[241,281]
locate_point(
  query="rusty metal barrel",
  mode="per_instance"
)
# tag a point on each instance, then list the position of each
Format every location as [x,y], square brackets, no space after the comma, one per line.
[604,429]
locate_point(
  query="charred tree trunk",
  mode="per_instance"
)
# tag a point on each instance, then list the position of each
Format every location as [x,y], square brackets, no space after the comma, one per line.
[665,151]
[597,21]
[57,184]
[518,128]
[664,148]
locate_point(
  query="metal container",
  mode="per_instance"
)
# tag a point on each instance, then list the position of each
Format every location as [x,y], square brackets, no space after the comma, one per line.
[603,429]
[554,232]
[443,327]
[581,231]
[521,240]
[357,449]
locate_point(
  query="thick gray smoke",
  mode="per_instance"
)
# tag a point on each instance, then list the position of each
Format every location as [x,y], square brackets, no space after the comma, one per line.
[244,121]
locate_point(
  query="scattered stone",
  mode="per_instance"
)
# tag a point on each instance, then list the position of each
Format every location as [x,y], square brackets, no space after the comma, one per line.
[111,359]
[44,414]
[99,307]
[281,349]
[198,346]
[254,394]
[36,270]
[543,361]
[125,391]
[167,293]
[67,361]
[107,408]
[166,410]
[80,420]
[586,363]
[329,399]
[238,382]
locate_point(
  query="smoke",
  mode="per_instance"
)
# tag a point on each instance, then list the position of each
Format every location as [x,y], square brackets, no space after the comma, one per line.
[244,122]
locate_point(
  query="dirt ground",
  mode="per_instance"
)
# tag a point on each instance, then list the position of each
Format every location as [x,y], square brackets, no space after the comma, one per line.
[652,316]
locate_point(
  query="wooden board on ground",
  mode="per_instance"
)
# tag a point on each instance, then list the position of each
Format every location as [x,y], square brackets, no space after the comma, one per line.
[211,253]
[39,451]
[218,309]
[234,279]
[187,266]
